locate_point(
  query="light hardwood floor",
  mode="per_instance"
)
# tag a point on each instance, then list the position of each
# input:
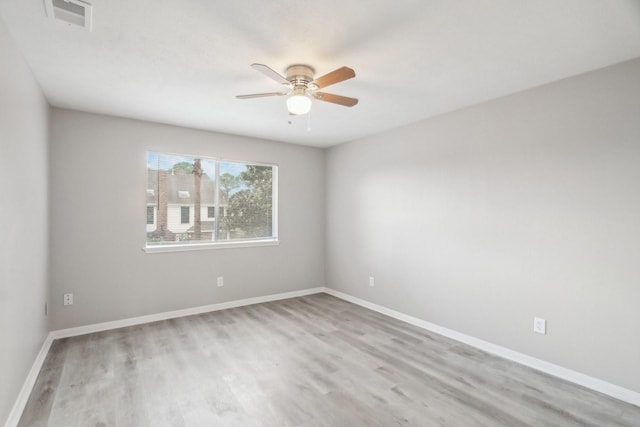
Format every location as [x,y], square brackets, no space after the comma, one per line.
[309,361]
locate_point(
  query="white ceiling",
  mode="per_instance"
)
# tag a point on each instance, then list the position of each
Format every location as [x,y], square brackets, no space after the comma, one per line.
[183,62]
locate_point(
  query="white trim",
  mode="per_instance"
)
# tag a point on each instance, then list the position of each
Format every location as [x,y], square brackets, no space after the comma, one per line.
[274,200]
[592,383]
[99,327]
[29,382]
[587,381]
[27,387]
[217,245]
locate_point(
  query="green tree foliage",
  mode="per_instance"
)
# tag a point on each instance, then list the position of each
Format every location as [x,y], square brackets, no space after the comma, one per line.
[183,166]
[228,183]
[249,213]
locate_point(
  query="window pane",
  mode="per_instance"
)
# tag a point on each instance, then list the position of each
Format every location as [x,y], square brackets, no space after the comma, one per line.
[186,205]
[246,197]
[182,188]
[150,215]
[184,215]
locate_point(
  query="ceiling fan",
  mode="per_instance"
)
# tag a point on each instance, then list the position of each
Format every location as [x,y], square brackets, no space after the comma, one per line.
[303,87]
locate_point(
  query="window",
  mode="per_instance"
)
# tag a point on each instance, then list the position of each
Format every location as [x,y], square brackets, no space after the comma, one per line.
[185,192]
[150,215]
[184,214]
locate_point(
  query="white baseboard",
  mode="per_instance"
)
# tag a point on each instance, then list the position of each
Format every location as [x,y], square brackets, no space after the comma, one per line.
[27,387]
[587,381]
[105,326]
[25,392]
[549,368]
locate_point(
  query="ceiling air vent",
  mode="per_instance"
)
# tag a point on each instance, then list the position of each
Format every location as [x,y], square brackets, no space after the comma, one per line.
[73,12]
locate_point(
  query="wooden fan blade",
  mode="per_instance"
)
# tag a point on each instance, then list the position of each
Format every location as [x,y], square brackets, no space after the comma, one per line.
[336,99]
[336,76]
[270,73]
[261,95]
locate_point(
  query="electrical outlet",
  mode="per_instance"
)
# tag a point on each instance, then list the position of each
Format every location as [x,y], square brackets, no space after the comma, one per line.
[220,281]
[371,281]
[539,325]
[68,299]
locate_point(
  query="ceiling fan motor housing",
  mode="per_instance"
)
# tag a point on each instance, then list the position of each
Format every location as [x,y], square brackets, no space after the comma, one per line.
[300,77]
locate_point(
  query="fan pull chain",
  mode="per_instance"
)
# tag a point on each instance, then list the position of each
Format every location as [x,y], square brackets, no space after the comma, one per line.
[309,122]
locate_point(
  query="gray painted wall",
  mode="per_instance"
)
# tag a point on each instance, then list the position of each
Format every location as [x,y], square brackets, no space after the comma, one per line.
[481,219]
[477,221]
[24,116]
[98,222]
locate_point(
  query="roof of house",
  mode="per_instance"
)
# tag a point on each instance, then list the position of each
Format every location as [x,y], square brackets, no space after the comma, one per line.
[180,188]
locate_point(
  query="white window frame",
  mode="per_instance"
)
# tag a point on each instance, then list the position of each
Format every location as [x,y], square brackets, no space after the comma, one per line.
[220,244]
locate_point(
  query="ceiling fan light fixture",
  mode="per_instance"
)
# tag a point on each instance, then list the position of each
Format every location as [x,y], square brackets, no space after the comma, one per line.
[303,87]
[299,104]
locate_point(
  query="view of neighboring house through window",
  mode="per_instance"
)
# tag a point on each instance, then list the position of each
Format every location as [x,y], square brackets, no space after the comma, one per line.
[198,200]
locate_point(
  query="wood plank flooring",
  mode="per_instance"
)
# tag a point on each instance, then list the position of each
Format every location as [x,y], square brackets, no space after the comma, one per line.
[309,361]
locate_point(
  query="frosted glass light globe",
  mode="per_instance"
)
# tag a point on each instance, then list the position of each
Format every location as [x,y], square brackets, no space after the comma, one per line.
[299,104]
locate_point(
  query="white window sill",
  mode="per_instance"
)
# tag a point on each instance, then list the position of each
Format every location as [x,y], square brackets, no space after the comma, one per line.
[206,246]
